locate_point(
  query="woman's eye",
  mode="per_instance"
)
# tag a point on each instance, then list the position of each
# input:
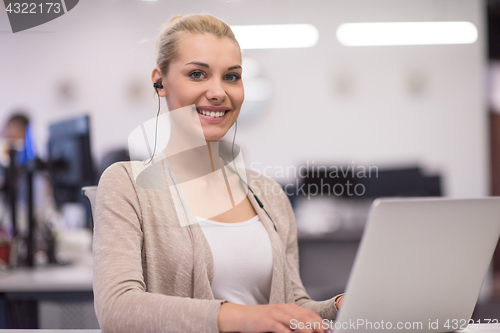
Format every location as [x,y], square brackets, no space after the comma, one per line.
[233,77]
[196,75]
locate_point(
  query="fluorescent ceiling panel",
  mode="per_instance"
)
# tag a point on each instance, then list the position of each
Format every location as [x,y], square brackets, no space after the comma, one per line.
[276,36]
[406,33]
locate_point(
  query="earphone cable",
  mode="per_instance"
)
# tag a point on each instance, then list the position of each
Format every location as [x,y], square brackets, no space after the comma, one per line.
[261,205]
[156,126]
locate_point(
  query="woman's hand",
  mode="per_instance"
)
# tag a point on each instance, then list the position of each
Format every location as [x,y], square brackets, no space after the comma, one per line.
[338,302]
[279,318]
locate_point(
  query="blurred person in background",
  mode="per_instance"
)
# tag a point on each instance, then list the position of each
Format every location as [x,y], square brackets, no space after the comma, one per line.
[17,140]
[13,135]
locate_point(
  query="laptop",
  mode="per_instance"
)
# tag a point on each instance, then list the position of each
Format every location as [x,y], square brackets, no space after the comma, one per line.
[420,265]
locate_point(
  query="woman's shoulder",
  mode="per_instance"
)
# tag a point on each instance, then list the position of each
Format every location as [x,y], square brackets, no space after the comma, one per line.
[122,170]
[116,171]
[119,177]
[134,179]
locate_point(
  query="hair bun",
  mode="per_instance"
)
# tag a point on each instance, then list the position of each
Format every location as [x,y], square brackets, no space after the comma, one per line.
[174,20]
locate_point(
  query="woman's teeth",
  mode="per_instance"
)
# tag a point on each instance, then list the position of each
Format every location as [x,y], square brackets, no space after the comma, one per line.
[212,113]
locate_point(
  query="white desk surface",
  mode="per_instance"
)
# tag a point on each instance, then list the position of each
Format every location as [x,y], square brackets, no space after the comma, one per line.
[50,331]
[79,278]
[483,328]
[46,279]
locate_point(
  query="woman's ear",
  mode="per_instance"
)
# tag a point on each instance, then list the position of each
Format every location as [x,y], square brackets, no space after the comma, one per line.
[157,78]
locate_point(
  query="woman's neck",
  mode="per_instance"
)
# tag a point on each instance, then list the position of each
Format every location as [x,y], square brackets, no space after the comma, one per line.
[193,162]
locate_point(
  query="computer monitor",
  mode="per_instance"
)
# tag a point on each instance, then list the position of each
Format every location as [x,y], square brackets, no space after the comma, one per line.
[70,160]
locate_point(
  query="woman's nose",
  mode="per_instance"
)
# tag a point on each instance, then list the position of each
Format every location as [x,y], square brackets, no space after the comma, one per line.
[216,91]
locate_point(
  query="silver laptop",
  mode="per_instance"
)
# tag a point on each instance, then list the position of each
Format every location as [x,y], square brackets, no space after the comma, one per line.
[420,265]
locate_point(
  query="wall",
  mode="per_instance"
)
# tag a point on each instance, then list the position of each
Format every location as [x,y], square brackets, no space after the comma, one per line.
[333,104]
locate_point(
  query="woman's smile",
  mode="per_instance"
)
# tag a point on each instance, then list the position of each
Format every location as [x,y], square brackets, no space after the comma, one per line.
[212,114]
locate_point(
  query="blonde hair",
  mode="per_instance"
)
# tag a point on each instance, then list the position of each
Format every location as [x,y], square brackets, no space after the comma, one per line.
[170,37]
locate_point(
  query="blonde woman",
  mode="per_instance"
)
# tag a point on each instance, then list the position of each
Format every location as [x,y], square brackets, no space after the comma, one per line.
[234,271]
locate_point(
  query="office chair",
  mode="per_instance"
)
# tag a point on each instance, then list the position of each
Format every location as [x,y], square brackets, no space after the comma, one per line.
[90,192]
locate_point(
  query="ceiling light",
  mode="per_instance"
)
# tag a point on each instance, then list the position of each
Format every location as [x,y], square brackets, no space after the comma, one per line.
[406,33]
[276,36]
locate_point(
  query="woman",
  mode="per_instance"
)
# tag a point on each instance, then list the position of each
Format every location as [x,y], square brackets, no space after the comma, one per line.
[154,273]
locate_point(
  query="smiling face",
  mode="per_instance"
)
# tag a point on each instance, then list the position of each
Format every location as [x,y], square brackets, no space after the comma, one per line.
[206,73]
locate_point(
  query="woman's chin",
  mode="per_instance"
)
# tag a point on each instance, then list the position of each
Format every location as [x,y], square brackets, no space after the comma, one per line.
[213,135]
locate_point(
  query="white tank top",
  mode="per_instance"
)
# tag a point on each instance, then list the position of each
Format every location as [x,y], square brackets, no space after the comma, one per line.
[243,260]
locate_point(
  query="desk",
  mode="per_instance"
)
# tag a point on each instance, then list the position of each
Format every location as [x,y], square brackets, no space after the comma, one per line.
[48,297]
[74,284]
[50,331]
[47,279]
[483,328]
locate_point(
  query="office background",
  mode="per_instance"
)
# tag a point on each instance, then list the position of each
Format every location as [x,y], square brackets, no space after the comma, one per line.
[386,106]
[380,105]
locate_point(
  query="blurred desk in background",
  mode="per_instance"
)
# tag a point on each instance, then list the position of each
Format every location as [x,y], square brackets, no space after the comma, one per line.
[53,297]
[326,261]
[329,232]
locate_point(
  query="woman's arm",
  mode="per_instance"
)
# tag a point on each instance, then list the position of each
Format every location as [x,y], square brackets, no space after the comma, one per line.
[122,303]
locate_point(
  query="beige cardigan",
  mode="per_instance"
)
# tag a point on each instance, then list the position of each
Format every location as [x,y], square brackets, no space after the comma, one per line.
[152,275]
